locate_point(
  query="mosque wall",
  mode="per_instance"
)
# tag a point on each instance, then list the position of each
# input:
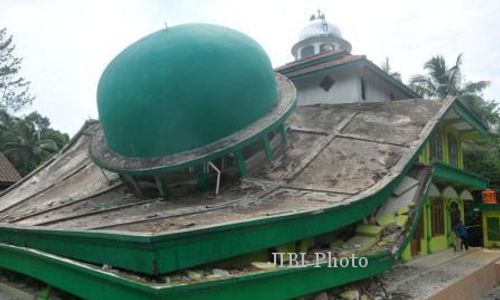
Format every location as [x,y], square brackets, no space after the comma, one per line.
[344,90]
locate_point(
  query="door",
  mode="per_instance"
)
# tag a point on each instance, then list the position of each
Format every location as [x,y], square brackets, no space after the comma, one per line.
[417,238]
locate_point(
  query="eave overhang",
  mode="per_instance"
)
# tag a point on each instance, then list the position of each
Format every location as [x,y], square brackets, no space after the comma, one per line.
[488,207]
[357,62]
[448,174]
[460,109]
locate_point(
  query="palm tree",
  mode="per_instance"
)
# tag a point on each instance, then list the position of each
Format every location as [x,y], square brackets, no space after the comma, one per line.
[385,66]
[442,80]
[25,147]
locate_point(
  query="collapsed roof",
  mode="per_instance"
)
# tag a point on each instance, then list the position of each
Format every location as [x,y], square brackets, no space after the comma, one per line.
[336,154]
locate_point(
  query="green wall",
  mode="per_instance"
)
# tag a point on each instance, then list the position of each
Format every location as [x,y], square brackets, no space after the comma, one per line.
[490,233]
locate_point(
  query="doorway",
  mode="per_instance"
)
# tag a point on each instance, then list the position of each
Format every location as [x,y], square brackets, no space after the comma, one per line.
[416,242]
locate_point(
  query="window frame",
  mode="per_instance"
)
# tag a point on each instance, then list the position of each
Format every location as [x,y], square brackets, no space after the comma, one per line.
[437,217]
[452,149]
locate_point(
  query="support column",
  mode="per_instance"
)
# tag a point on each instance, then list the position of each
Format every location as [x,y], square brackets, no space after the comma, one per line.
[130,180]
[240,160]
[428,225]
[202,178]
[160,185]
[267,148]
[282,130]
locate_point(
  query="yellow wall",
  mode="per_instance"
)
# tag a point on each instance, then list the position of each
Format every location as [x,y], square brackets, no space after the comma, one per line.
[431,244]
[424,156]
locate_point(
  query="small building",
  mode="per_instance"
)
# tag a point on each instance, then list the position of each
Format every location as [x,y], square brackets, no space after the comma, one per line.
[325,71]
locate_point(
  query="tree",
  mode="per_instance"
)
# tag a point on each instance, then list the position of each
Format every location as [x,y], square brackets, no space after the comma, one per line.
[29,141]
[14,89]
[26,141]
[385,66]
[442,80]
[481,157]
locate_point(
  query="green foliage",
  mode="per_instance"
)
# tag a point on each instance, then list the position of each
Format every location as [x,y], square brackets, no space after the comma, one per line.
[14,89]
[484,159]
[29,141]
[442,80]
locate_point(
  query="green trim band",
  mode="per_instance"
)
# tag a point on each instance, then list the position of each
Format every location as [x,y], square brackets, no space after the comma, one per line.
[470,117]
[90,283]
[443,171]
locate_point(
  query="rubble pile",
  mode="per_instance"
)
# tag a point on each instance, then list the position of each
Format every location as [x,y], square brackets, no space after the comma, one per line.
[370,289]
[380,232]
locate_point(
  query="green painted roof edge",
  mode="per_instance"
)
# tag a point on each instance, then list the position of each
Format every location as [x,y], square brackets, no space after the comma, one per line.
[274,228]
[487,207]
[212,156]
[91,283]
[470,117]
[449,173]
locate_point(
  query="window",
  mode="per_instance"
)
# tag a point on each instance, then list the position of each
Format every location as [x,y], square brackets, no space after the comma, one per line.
[452,150]
[493,229]
[437,217]
[435,147]
[326,48]
[363,91]
[307,51]
[326,83]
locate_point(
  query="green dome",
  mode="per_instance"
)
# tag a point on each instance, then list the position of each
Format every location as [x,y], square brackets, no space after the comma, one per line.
[182,88]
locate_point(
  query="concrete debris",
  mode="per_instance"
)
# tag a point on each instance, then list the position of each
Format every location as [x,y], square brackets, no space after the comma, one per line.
[368,230]
[350,295]
[194,275]
[322,296]
[264,265]
[220,272]
[369,289]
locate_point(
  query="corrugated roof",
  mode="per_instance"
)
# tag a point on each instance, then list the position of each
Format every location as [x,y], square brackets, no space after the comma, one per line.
[8,174]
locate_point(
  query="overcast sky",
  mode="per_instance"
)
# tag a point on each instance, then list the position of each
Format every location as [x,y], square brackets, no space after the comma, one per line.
[67,44]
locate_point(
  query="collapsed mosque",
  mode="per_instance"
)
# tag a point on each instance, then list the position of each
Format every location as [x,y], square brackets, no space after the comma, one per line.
[205,161]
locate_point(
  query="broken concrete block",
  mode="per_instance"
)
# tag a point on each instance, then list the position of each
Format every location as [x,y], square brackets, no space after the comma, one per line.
[194,275]
[360,243]
[350,295]
[406,184]
[386,220]
[392,205]
[402,220]
[403,210]
[368,230]
[213,277]
[264,265]
[220,272]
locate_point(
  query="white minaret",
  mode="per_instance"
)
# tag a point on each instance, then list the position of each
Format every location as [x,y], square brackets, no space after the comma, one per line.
[319,36]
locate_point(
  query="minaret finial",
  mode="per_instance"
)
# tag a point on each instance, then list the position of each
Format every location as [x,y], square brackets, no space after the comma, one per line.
[318,15]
